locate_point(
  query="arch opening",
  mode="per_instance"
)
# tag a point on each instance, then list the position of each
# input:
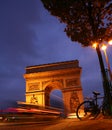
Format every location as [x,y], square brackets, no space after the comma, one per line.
[56,99]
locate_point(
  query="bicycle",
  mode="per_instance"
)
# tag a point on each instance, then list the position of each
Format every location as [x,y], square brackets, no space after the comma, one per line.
[89,109]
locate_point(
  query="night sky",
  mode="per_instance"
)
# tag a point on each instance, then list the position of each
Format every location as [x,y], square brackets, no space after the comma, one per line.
[29,36]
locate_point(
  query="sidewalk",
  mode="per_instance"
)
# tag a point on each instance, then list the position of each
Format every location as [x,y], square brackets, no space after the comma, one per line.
[75,124]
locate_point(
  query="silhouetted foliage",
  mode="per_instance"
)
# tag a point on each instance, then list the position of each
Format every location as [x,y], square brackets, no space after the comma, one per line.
[86,21]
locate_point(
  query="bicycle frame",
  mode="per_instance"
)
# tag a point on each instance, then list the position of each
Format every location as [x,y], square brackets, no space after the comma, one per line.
[94,98]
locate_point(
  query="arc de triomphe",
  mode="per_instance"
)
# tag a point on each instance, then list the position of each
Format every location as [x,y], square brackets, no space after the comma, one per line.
[42,79]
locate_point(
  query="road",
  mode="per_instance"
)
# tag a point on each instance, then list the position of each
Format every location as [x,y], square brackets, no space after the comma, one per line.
[40,125]
[74,124]
[65,124]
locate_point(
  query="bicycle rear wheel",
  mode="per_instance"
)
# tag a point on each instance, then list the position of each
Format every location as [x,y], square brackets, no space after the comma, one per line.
[86,110]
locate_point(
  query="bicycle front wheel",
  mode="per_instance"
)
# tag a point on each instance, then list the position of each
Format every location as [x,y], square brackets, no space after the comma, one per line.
[86,110]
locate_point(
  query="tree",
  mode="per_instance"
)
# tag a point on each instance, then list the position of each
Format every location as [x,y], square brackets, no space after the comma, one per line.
[87,21]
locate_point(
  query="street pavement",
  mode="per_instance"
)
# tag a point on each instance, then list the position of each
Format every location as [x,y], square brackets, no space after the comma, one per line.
[65,124]
[75,124]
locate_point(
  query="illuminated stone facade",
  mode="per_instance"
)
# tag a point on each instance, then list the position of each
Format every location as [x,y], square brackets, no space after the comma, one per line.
[42,79]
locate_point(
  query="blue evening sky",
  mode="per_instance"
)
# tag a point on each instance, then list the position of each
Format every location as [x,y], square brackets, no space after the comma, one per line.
[29,36]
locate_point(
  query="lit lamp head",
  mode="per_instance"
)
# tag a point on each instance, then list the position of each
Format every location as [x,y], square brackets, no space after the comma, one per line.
[103,47]
[94,45]
[110,42]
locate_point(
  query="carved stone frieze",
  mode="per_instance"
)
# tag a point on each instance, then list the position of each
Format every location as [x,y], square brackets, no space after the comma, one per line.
[34,99]
[52,81]
[33,86]
[72,82]
[74,101]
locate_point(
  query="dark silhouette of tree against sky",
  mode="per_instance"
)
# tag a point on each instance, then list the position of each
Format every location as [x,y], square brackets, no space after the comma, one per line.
[87,22]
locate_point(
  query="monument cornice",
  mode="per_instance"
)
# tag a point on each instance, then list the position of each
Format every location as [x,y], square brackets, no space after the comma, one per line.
[58,73]
[52,66]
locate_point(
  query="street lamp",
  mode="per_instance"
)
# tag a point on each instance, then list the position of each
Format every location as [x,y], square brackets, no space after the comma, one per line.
[104,47]
[106,84]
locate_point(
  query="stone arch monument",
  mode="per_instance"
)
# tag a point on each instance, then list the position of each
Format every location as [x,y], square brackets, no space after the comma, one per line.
[42,79]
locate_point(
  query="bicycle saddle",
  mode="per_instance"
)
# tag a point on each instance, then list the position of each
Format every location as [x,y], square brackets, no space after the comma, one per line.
[96,93]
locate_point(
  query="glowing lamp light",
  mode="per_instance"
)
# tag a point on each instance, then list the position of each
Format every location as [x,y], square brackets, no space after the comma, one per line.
[104,47]
[95,45]
[110,42]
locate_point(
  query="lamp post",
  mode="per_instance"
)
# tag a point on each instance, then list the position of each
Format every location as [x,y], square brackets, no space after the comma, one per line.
[104,47]
[106,85]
